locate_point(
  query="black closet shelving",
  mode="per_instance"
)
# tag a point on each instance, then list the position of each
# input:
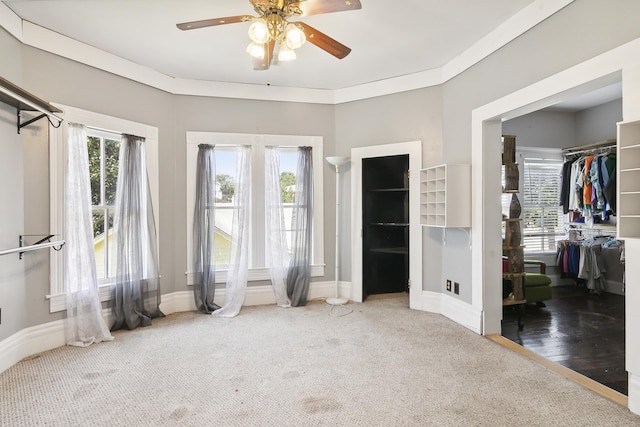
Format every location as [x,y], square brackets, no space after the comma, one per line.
[386,224]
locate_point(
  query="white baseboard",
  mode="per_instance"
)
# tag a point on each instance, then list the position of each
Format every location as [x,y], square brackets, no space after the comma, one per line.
[36,339]
[30,341]
[634,393]
[256,295]
[456,310]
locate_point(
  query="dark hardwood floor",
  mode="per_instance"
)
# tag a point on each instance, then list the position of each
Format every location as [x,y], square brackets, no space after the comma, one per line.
[579,330]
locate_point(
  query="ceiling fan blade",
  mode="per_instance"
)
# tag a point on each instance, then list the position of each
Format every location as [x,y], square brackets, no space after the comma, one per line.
[213,22]
[317,7]
[323,41]
[265,63]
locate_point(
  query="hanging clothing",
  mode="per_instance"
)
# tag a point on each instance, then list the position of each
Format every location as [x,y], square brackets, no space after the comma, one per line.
[587,186]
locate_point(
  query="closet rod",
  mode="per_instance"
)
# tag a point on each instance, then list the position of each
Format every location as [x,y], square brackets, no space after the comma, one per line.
[22,100]
[21,249]
[587,147]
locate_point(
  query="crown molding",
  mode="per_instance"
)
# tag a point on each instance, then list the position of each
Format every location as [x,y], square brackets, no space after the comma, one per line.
[52,42]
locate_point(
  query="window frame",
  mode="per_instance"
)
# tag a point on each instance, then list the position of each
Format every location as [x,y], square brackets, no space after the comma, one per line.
[258,142]
[539,155]
[57,170]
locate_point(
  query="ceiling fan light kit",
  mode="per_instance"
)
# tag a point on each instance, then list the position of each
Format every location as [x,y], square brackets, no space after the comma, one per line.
[259,31]
[256,50]
[272,27]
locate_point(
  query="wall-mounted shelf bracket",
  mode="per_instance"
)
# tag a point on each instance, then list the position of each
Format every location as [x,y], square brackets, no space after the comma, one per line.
[28,122]
[22,100]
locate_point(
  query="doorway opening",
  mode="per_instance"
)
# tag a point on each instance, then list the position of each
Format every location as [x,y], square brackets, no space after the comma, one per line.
[386,252]
[385,220]
[577,317]
[488,126]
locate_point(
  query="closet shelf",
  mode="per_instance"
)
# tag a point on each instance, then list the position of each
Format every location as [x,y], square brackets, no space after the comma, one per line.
[22,100]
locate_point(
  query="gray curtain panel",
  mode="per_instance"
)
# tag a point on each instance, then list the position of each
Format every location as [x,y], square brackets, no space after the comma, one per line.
[299,273]
[204,282]
[135,298]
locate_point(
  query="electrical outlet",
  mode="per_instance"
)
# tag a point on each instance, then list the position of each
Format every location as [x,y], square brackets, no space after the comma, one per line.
[449,285]
[456,288]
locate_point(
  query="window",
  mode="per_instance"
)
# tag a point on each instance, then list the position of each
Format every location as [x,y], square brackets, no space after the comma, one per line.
[288,169]
[540,182]
[103,144]
[541,213]
[104,150]
[225,145]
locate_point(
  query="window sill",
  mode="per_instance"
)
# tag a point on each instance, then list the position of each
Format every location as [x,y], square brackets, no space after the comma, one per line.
[57,302]
[255,274]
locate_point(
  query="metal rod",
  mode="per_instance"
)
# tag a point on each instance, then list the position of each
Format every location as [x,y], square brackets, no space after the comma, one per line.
[588,147]
[32,247]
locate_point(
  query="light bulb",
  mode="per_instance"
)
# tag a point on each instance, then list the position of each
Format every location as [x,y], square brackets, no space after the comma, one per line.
[294,37]
[255,50]
[286,54]
[259,31]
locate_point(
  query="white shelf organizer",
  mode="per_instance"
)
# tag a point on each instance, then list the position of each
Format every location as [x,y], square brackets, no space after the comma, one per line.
[445,196]
[628,203]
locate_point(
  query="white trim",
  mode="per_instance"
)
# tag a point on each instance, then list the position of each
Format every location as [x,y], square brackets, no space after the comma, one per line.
[518,24]
[599,71]
[414,150]
[30,341]
[634,390]
[10,21]
[486,130]
[255,274]
[455,309]
[49,41]
[47,336]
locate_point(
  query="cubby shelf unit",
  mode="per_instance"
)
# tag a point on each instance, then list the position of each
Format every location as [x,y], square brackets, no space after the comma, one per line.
[628,203]
[445,196]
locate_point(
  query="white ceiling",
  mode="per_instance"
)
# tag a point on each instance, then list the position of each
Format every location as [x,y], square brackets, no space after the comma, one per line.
[596,97]
[388,38]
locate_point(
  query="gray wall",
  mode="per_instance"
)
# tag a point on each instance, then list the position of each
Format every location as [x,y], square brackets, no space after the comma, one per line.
[598,123]
[557,129]
[563,40]
[70,83]
[546,129]
[12,271]
[402,117]
[439,116]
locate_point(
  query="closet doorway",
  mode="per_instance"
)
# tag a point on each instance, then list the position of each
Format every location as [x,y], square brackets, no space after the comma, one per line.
[386,234]
[385,225]
[582,326]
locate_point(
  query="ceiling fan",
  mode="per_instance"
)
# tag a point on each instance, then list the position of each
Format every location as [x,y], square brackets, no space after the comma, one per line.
[271,28]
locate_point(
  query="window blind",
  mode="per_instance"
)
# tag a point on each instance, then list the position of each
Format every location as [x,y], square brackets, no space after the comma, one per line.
[542,216]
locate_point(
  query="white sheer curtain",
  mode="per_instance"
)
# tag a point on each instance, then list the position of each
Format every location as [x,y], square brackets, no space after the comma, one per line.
[136,295]
[277,257]
[236,285]
[204,286]
[299,274]
[84,324]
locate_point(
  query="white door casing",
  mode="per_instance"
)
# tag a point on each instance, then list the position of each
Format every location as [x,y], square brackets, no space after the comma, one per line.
[414,150]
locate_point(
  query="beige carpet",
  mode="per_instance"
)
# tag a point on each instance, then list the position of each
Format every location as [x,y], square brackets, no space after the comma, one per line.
[380,365]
